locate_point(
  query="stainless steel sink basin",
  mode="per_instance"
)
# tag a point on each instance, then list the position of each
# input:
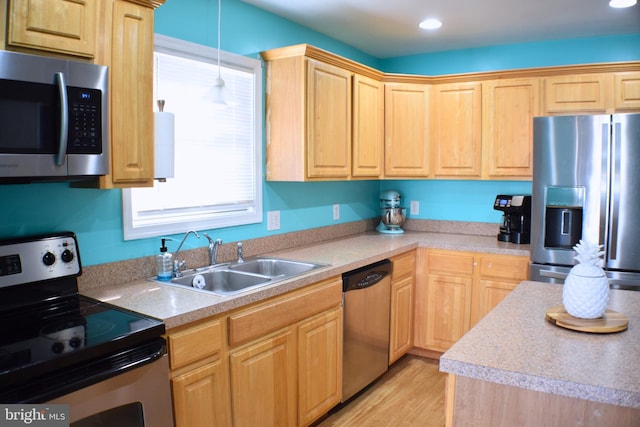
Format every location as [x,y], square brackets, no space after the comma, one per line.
[275,267]
[230,279]
[223,281]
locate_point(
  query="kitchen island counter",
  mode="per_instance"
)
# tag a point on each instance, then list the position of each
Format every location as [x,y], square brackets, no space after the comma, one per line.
[514,346]
[178,306]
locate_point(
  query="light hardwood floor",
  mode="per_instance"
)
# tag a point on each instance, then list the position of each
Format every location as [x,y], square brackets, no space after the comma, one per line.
[411,393]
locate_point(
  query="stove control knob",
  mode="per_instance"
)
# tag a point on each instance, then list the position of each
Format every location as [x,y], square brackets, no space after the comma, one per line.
[67,255]
[75,342]
[48,259]
[57,347]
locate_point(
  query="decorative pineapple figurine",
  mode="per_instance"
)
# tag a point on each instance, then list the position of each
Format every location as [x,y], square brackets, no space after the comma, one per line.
[586,289]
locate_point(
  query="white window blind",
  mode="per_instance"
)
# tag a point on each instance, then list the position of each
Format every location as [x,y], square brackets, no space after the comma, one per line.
[218,155]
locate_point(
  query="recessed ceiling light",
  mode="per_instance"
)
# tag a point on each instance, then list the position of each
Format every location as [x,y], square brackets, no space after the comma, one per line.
[622,3]
[431,24]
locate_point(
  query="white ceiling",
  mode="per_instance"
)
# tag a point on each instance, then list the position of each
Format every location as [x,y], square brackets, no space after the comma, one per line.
[390,28]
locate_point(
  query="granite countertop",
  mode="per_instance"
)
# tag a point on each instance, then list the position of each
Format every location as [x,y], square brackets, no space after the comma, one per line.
[177,306]
[514,345]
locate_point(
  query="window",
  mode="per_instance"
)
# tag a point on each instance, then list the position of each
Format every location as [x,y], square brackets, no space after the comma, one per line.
[218,152]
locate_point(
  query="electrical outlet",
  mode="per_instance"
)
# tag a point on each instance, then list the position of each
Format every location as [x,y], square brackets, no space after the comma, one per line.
[415,207]
[273,220]
[336,212]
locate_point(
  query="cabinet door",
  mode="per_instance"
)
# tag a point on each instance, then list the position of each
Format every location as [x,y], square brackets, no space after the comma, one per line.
[497,275]
[319,365]
[131,110]
[627,91]
[457,130]
[448,310]
[406,130]
[263,382]
[508,110]
[62,26]
[201,397]
[328,121]
[401,328]
[577,94]
[368,127]
[489,294]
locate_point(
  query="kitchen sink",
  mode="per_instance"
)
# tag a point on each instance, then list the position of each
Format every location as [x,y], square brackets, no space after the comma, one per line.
[275,267]
[222,281]
[232,278]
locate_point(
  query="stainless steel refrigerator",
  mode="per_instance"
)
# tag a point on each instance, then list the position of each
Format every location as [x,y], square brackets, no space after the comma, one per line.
[586,185]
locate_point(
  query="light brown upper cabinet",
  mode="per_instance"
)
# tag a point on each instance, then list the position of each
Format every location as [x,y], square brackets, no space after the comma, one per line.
[406,128]
[308,120]
[577,94]
[60,26]
[368,127]
[466,126]
[456,130]
[328,121]
[127,49]
[626,91]
[508,108]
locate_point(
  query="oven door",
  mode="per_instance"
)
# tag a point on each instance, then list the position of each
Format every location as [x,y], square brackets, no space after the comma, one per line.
[138,398]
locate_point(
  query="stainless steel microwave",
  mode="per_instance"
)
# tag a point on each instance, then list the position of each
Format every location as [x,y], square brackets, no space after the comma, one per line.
[53,119]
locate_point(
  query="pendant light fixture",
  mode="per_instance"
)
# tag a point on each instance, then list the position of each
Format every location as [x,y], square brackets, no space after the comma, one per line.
[218,92]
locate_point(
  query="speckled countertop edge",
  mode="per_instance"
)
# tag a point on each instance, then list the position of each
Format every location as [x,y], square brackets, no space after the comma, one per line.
[177,306]
[514,345]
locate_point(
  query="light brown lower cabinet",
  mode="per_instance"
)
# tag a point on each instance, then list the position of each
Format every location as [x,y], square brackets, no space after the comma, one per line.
[401,327]
[455,289]
[199,375]
[200,396]
[273,363]
[319,365]
[291,377]
[263,381]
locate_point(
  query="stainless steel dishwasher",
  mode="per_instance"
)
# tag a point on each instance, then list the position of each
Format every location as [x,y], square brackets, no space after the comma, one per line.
[367,301]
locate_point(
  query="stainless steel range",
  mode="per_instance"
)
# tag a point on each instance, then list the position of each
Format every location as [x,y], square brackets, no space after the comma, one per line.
[57,346]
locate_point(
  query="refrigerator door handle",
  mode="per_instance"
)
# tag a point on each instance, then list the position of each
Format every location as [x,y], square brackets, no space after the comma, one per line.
[615,194]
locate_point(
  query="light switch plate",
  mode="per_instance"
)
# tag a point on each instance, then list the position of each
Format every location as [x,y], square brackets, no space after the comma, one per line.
[336,212]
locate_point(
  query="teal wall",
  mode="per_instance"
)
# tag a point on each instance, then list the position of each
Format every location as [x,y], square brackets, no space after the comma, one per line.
[96,215]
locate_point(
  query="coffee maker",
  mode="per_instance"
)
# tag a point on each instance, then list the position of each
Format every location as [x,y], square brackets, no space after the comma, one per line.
[392,216]
[516,218]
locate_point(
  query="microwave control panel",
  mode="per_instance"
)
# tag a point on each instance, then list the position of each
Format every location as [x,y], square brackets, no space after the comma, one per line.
[85,123]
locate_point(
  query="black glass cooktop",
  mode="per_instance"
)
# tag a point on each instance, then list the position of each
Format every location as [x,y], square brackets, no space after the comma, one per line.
[65,332]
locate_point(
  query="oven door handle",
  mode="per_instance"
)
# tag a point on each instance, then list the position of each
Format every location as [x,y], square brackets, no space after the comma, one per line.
[64,119]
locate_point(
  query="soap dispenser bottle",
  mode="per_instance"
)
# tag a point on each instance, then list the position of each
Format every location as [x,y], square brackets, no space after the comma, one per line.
[164,263]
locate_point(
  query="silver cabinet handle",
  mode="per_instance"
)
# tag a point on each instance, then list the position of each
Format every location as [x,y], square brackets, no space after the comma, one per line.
[64,119]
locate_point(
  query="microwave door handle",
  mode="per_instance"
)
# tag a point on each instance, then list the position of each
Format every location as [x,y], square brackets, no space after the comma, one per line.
[64,119]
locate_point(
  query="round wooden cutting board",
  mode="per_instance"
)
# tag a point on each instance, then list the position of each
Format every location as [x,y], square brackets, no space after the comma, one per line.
[611,321]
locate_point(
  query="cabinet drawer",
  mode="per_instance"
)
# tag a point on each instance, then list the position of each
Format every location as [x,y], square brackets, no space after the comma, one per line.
[513,268]
[195,343]
[282,311]
[450,262]
[403,265]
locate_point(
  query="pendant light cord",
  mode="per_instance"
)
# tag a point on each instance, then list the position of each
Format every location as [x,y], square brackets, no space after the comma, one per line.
[219,13]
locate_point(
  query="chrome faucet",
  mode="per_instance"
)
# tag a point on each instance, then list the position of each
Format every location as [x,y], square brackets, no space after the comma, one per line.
[178,265]
[213,249]
[240,259]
